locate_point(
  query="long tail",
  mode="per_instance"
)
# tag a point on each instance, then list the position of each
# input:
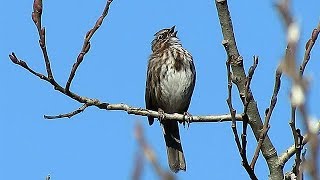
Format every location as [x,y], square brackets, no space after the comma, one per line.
[174,149]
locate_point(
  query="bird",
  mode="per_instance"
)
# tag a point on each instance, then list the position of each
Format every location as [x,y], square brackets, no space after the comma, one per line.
[170,82]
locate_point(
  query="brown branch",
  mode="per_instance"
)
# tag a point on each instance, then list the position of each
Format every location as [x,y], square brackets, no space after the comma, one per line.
[266,124]
[247,92]
[36,17]
[122,107]
[309,46]
[86,44]
[23,64]
[68,115]
[232,111]
[150,155]
[268,150]
[241,150]
[248,96]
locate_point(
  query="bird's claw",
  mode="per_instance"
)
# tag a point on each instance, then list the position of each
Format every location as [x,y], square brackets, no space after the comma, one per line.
[161,115]
[187,118]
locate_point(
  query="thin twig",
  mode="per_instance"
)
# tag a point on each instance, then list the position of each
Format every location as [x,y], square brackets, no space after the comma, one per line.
[36,17]
[23,64]
[309,46]
[86,44]
[232,111]
[247,91]
[296,132]
[244,141]
[313,136]
[248,96]
[68,115]
[266,124]
[241,150]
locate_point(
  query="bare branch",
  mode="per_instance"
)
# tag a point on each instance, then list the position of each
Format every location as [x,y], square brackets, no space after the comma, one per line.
[122,107]
[68,115]
[232,111]
[247,92]
[86,44]
[268,150]
[36,17]
[309,46]
[285,156]
[151,156]
[241,150]
[23,64]
[266,124]
[313,136]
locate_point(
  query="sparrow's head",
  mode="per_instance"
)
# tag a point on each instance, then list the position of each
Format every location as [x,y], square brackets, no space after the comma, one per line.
[164,38]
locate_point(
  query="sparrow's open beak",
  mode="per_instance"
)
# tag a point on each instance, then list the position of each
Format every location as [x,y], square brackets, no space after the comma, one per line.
[172,29]
[172,32]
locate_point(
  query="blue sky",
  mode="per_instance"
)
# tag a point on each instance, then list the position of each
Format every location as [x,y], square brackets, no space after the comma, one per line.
[100,144]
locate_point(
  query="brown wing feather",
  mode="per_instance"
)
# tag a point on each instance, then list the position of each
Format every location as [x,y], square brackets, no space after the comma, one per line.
[148,97]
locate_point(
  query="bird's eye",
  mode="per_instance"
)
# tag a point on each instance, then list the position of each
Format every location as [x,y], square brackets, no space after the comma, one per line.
[161,36]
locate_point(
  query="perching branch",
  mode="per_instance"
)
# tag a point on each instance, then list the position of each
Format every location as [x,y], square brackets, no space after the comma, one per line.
[121,107]
[87,102]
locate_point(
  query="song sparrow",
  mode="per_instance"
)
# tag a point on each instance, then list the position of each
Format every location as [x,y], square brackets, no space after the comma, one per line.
[170,82]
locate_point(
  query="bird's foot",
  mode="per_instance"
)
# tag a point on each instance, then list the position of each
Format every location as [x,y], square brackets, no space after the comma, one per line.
[187,119]
[161,115]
